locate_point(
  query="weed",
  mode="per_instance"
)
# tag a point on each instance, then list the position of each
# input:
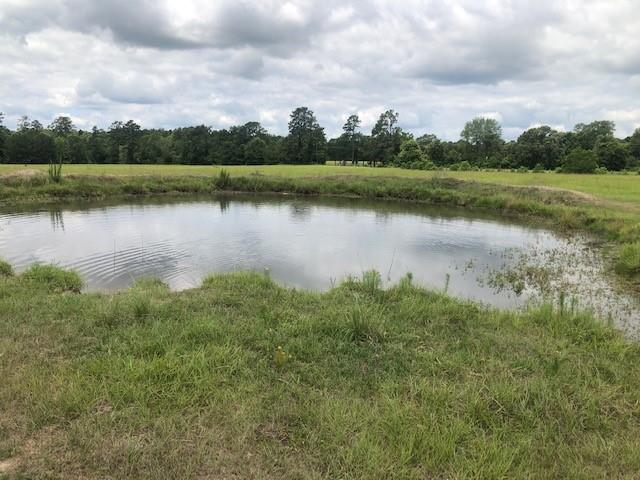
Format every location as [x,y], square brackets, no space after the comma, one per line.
[365,324]
[223,180]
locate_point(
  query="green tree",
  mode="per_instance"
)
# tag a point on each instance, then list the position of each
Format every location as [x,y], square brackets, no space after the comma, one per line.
[4,134]
[612,154]
[255,152]
[412,156]
[634,145]
[193,145]
[124,140]
[306,141]
[98,147]
[62,126]
[484,136]
[580,160]
[386,138]
[590,134]
[30,144]
[433,148]
[540,145]
[350,128]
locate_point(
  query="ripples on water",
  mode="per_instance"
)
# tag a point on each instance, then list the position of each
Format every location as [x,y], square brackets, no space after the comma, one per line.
[303,243]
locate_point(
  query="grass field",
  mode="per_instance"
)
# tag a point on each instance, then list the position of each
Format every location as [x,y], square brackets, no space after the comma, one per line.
[625,188]
[355,383]
[367,383]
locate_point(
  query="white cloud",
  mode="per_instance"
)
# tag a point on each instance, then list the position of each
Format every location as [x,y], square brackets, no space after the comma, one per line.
[438,63]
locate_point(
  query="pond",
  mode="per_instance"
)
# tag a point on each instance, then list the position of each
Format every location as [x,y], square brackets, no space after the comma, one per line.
[314,244]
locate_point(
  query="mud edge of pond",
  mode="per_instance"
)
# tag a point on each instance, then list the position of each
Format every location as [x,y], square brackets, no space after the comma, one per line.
[560,210]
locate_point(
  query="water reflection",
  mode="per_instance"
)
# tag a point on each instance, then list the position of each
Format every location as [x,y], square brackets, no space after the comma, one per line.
[302,242]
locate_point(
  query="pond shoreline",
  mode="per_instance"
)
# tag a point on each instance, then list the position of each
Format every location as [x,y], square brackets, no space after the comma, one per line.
[562,211]
[312,382]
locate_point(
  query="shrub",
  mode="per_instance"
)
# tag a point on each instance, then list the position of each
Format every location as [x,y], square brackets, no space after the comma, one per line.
[54,278]
[463,166]
[539,168]
[580,161]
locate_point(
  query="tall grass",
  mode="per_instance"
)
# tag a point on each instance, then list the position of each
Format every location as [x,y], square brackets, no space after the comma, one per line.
[244,379]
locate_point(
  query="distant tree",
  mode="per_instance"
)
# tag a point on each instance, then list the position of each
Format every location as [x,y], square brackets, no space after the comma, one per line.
[156,146]
[255,152]
[23,123]
[30,144]
[540,145]
[580,160]
[484,136]
[4,134]
[62,126]
[433,148]
[590,134]
[386,138]
[306,140]
[124,141]
[612,154]
[350,128]
[412,156]
[98,147]
[193,145]
[634,144]
[78,149]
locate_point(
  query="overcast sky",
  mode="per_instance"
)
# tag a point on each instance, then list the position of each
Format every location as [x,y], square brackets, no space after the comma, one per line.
[167,63]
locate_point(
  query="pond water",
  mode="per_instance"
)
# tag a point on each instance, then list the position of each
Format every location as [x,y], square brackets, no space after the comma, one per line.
[314,244]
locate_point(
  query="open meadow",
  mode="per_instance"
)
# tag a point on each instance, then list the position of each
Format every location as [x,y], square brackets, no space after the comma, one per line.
[244,378]
[622,187]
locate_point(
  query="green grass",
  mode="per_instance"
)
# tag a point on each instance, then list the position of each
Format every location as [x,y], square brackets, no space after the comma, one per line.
[6,270]
[629,259]
[367,383]
[625,188]
[53,278]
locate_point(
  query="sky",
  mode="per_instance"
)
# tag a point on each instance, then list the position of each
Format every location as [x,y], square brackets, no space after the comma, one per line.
[439,63]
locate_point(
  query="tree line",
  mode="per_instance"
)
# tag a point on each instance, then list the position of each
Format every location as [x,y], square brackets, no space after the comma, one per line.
[588,148]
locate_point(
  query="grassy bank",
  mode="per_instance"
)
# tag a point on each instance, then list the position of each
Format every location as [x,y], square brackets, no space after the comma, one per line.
[401,383]
[619,187]
[612,222]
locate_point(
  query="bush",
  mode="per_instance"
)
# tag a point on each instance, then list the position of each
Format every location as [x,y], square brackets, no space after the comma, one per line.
[410,155]
[580,161]
[613,155]
[463,166]
[539,168]
[54,278]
